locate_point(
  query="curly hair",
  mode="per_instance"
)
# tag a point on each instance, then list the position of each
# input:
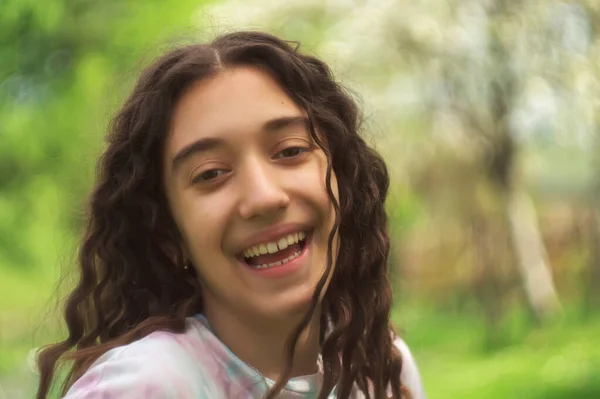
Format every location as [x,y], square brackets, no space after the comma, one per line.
[132,274]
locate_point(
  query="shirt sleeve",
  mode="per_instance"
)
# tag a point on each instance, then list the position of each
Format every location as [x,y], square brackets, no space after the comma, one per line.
[122,373]
[410,375]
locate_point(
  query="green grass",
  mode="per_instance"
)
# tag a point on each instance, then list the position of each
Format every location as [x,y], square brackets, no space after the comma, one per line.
[559,361]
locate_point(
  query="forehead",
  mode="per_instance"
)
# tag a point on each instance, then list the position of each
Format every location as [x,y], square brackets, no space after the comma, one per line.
[237,100]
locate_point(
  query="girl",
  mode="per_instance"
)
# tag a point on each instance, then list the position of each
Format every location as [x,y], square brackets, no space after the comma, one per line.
[237,241]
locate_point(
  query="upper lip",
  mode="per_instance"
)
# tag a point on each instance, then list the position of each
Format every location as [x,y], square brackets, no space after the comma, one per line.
[272,234]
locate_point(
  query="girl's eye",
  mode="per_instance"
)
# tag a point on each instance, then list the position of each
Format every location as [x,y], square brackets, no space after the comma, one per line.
[209,175]
[291,152]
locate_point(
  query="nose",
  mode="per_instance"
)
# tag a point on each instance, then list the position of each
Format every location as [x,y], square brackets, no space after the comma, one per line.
[262,193]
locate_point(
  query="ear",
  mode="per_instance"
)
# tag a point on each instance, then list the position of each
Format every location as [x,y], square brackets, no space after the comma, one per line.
[187,258]
[175,251]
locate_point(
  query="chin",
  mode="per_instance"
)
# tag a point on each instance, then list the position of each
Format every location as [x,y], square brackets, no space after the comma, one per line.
[289,306]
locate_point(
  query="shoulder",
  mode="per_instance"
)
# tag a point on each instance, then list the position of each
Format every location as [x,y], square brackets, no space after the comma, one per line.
[160,365]
[410,373]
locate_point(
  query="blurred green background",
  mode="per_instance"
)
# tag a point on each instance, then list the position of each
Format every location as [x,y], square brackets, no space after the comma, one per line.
[488,113]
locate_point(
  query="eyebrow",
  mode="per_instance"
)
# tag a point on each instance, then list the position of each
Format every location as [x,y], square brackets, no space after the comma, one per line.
[277,124]
[210,143]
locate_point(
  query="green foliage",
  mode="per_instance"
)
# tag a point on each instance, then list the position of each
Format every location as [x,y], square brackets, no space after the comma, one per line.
[65,65]
[62,72]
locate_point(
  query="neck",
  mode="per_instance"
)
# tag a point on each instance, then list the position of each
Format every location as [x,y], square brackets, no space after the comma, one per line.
[261,342]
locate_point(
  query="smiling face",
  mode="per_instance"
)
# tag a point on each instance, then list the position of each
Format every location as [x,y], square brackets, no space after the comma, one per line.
[243,177]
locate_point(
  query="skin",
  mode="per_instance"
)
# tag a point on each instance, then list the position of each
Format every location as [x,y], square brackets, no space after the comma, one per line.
[257,175]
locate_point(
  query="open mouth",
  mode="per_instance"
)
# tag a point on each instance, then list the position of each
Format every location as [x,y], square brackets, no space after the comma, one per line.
[276,253]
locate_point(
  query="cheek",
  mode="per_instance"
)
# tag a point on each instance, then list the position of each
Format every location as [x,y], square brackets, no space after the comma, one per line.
[322,178]
[325,199]
[312,190]
[201,227]
[318,183]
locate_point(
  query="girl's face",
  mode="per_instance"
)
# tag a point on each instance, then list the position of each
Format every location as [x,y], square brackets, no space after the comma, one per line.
[246,186]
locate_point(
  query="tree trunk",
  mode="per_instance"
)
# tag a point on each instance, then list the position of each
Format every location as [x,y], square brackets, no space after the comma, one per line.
[532,259]
[523,228]
[487,287]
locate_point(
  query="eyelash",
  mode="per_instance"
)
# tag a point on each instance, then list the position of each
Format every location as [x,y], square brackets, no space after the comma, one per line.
[301,150]
[198,179]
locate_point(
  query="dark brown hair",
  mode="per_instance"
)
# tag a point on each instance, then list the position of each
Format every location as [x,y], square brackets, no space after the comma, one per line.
[133,280]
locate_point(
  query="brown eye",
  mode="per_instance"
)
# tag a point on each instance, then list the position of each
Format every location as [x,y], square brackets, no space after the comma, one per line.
[291,152]
[209,175]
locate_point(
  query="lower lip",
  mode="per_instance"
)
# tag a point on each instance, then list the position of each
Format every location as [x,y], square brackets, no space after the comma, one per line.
[286,268]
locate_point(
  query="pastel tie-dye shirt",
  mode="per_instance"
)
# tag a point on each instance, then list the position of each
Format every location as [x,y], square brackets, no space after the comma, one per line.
[195,365]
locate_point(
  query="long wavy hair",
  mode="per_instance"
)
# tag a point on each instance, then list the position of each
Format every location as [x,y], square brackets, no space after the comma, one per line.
[133,279]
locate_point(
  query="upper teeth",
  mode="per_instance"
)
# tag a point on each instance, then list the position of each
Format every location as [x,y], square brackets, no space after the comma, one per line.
[273,246]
